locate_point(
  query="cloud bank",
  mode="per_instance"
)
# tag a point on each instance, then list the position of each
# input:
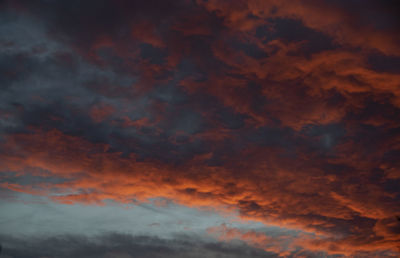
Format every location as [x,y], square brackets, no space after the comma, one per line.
[284,111]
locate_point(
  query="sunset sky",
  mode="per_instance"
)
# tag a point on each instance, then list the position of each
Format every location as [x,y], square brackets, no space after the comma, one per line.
[199,128]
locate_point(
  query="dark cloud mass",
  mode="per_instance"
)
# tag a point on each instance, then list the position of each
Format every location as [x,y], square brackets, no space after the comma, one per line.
[115,245]
[287,112]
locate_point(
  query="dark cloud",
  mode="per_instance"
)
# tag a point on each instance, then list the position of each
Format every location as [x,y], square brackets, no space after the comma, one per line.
[122,245]
[291,30]
[382,63]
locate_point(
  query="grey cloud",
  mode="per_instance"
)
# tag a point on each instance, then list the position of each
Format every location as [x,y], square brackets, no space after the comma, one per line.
[122,245]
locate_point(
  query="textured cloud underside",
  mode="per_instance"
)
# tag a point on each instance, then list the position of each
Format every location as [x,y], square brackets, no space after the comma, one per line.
[286,112]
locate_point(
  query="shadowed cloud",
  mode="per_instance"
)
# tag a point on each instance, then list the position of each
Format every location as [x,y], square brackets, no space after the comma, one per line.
[286,112]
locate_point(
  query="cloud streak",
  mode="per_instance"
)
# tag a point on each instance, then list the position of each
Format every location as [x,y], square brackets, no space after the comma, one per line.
[123,246]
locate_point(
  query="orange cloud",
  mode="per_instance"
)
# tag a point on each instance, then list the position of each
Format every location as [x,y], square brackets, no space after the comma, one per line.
[270,191]
[216,104]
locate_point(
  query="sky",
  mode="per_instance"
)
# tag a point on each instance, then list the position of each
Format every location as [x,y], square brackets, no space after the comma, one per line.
[199,128]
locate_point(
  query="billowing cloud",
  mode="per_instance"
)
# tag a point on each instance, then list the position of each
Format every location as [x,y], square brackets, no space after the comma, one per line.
[284,111]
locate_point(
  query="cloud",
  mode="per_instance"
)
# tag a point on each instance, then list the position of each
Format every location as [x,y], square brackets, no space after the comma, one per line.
[123,246]
[285,111]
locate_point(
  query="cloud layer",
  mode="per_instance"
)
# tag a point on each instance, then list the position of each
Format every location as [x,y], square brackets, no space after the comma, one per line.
[113,245]
[285,111]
